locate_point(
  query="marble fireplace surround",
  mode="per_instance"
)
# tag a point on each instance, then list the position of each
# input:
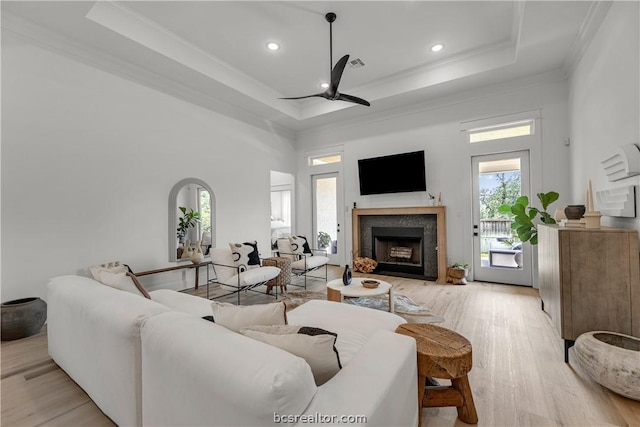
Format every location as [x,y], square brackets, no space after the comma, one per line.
[411,216]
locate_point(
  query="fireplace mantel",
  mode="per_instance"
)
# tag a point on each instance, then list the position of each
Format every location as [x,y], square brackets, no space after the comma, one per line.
[439,211]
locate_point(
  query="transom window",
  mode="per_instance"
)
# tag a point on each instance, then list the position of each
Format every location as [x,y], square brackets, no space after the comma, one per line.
[502,131]
[325,159]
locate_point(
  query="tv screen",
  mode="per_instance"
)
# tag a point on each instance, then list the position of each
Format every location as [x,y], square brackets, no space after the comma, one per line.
[398,173]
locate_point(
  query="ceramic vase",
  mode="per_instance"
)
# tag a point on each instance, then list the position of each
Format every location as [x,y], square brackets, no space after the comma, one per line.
[187,252]
[574,211]
[346,276]
[197,256]
[22,318]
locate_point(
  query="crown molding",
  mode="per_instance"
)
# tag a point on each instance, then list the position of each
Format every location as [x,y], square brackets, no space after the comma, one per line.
[547,77]
[592,21]
[64,46]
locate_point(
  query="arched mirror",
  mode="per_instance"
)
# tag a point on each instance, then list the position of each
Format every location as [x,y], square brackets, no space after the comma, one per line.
[192,195]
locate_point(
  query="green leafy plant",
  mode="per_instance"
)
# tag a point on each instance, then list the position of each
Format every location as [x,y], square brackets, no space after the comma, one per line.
[324,240]
[460,266]
[525,215]
[187,220]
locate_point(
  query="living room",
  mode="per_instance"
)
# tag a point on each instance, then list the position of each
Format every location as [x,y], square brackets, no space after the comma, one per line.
[91,146]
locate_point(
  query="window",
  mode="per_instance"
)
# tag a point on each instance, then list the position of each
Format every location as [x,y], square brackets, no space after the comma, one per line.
[325,159]
[204,207]
[502,131]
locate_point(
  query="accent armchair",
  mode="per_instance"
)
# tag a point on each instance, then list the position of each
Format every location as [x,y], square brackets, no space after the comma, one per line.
[234,277]
[304,259]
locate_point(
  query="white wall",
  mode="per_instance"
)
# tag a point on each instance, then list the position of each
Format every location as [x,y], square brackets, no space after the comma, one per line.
[89,158]
[605,103]
[436,129]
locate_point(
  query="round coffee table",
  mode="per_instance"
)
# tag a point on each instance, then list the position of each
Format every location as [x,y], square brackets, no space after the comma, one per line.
[336,290]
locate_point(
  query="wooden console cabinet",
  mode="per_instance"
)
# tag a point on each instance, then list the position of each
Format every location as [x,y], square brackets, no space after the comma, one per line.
[589,280]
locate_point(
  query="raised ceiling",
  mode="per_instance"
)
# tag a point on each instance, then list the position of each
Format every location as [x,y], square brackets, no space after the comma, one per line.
[213,53]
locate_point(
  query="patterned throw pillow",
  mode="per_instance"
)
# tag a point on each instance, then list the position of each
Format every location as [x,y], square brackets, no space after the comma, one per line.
[299,245]
[245,255]
[315,345]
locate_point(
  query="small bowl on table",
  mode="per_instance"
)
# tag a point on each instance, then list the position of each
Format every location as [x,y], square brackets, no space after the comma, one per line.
[369,284]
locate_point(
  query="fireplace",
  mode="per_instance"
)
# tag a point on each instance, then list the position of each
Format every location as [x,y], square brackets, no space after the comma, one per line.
[407,242]
[398,249]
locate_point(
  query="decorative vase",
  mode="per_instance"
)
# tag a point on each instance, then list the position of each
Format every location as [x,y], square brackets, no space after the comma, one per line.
[197,256]
[574,211]
[346,276]
[22,318]
[186,252]
[559,215]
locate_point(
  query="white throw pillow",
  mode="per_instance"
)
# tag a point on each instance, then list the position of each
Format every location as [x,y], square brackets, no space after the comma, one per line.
[299,245]
[236,317]
[114,267]
[123,282]
[315,345]
[245,255]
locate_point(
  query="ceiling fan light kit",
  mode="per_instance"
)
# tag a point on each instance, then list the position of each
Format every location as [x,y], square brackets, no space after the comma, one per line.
[332,93]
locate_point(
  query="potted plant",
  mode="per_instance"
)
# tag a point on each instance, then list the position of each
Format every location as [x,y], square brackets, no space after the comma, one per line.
[186,221]
[457,273]
[524,215]
[324,240]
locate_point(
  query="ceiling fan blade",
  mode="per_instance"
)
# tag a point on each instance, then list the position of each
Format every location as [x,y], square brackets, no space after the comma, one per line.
[321,95]
[354,99]
[336,73]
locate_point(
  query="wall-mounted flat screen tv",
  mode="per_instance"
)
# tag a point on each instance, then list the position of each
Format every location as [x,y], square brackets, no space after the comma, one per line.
[398,173]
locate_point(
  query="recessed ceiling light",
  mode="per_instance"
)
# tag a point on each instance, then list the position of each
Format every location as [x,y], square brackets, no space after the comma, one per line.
[324,85]
[273,46]
[437,47]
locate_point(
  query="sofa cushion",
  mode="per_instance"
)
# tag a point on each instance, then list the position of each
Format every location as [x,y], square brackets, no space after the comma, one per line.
[309,262]
[252,276]
[236,317]
[245,255]
[340,318]
[123,281]
[197,373]
[315,345]
[179,301]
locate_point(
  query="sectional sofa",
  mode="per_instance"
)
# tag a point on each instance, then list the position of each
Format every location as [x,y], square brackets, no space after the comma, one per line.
[157,362]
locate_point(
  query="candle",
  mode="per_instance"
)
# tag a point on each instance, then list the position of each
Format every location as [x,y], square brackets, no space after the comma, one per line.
[591,206]
[586,199]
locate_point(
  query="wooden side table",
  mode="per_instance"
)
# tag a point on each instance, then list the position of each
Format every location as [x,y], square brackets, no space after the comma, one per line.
[284,278]
[443,354]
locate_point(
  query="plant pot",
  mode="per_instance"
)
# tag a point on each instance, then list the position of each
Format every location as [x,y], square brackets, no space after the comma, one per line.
[22,318]
[574,211]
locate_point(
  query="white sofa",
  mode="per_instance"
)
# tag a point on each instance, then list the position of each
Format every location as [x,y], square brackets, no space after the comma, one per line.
[158,363]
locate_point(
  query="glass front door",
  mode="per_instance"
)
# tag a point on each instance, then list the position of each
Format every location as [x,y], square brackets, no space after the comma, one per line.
[326,208]
[498,254]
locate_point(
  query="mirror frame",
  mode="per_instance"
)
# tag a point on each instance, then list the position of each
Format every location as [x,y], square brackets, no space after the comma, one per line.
[173,214]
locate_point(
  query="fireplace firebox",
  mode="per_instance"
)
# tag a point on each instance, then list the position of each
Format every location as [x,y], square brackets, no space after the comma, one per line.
[398,249]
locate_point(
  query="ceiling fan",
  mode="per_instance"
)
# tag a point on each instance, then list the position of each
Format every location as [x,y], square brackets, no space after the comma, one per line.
[332,93]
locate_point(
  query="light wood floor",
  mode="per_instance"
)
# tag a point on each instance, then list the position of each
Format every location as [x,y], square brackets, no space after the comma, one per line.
[518,376]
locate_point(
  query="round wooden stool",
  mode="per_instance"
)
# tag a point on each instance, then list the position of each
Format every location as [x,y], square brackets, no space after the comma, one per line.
[443,354]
